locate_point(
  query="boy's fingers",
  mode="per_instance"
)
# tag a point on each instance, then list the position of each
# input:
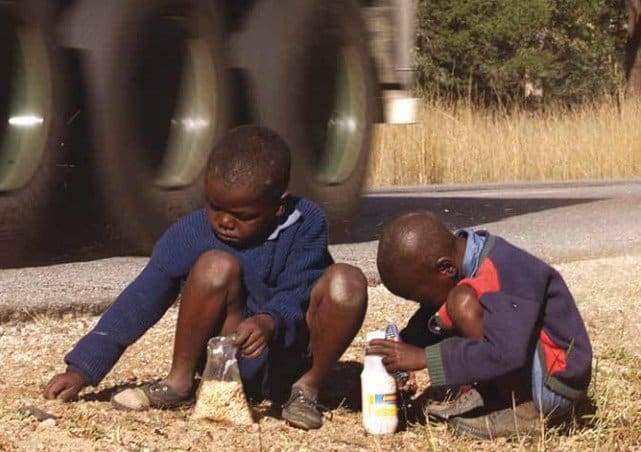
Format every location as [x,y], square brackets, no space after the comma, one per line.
[391,365]
[49,393]
[381,342]
[69,393]
[250,341]
[254,350]
[47,389]
[242,336]
[53,388]
[380,346]
[377,350]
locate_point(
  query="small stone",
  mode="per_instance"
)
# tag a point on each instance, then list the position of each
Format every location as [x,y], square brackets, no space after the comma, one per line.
[133,399]
[47,423]
[37,413]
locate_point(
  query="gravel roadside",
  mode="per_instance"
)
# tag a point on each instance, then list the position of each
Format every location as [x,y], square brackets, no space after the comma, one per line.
[607,292]
[90,287]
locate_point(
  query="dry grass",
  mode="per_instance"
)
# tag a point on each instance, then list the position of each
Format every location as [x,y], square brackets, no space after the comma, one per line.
[32,352]
[460,144]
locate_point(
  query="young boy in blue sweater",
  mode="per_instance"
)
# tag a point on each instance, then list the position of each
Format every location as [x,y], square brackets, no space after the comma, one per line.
[494,322]
[253,262]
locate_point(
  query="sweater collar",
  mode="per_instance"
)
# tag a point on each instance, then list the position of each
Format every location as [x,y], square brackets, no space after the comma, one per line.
[290,220]
[473,247]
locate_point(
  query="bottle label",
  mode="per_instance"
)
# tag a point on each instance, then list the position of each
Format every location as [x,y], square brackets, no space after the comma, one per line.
[382,404]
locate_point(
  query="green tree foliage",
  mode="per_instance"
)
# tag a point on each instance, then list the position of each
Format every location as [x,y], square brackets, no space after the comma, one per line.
[486,49]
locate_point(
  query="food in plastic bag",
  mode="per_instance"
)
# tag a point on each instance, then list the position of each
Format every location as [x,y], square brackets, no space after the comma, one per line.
[220,397]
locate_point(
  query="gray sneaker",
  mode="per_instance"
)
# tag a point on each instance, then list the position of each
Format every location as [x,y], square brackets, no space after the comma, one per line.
[501,423]
[466,400]
[302,411]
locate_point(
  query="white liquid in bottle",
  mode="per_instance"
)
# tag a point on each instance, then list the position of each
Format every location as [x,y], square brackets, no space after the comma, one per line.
[378,389]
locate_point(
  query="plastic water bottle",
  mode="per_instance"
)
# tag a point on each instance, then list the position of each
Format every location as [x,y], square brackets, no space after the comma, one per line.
[378,388]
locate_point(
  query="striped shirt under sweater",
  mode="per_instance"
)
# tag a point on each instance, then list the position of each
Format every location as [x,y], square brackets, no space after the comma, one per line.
[277,275]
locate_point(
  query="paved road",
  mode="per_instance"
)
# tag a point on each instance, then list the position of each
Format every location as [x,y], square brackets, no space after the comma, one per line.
[560,223]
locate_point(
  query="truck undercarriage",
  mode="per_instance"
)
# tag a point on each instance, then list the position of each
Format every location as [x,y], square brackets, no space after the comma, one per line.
[108,109]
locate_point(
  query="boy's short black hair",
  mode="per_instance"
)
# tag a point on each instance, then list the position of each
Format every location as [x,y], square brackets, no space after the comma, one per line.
[417,237]
[252,156]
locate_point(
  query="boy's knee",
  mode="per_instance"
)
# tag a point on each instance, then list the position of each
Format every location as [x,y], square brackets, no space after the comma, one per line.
[346,285]
[215,269]
[464,307]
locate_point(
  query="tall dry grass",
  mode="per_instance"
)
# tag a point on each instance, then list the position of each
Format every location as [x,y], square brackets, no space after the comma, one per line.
[457,143]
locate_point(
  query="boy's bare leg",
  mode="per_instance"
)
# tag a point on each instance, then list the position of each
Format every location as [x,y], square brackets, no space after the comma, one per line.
[338,303]
[336,311]
[511,390]
[211,301]
[466,312]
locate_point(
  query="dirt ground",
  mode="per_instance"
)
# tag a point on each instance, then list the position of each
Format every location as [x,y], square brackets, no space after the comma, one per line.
[607,292]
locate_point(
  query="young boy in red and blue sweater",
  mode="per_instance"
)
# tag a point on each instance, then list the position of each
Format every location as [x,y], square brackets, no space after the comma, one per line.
[253,262]
[493,319]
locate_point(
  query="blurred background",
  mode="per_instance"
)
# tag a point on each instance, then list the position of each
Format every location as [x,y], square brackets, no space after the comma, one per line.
[520,91]
[109,109]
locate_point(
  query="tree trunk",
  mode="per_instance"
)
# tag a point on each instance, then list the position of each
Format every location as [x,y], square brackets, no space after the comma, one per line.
[633,47]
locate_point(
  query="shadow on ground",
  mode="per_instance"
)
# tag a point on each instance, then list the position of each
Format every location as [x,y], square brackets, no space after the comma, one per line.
[344,387]
[82,233]
[456,212]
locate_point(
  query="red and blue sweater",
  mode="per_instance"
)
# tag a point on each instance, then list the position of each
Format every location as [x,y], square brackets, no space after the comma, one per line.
[527,306]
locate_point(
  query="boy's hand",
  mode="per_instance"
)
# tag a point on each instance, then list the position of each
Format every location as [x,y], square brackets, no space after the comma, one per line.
[398,355]
[253,334]
[65,386]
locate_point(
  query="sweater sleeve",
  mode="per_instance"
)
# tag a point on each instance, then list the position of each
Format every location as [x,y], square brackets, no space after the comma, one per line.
[509,325]
[135,310]
[304,265]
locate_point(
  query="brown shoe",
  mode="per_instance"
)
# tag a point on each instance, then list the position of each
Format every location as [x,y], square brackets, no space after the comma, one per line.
[302,410]
[466,400]
[523,420]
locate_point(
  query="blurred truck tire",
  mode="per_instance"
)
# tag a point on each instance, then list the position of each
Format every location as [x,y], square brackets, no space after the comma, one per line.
[152,84]
[159,102]
[315,84]
[30,119]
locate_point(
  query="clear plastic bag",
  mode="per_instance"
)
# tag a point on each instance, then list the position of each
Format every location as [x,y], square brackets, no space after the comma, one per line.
[220,397]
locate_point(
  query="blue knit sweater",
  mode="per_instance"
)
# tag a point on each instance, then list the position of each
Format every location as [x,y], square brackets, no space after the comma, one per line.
[278,276]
